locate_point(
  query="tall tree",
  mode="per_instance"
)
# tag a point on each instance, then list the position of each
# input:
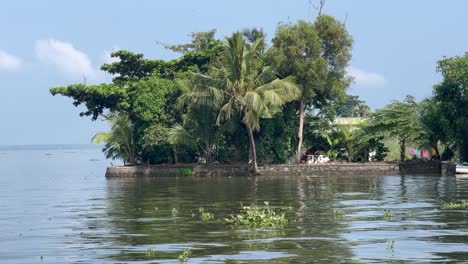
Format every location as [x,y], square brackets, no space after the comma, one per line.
[240,85]
[400,119]
[317,55]
[451,96]
[351,106]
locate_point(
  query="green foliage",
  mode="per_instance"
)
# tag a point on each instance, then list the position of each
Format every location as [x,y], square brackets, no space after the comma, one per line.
[453,205]
[174,212]
[387,214]
[150,252]
[183,258]
[277,137]
[451,98]
[119,142]
[239,85]
[96,98]
[184,172]
[130,67]
[205,216]
[351,106]
[401,120]
[316,55]
[253,216]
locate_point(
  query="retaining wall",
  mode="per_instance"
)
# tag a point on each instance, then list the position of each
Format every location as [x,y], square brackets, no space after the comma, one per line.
[204,170]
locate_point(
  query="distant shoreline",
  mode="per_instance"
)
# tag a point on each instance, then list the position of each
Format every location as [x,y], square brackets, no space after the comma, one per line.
[48,147]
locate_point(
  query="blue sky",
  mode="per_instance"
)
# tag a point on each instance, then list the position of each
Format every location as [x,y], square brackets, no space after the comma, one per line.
[50,43]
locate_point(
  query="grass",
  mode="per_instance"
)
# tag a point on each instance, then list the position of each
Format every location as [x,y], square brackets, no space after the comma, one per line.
[453,205]
[253,216]
[183,257]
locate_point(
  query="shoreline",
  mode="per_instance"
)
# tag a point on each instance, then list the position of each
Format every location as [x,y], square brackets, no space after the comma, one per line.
[240,170]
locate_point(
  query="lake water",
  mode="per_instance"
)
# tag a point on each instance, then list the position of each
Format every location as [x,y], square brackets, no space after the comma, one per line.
[57,207]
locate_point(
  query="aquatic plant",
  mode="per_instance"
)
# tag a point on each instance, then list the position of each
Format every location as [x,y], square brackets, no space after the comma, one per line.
[253,216]
[183,258]
[453,205]
[338,213]
[184,172]
[390,245]
[150,252]
[205,216]
[174,212]
[386,213]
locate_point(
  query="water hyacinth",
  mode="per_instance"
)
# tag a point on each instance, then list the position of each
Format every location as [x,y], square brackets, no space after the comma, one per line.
[453,205]
[253,216]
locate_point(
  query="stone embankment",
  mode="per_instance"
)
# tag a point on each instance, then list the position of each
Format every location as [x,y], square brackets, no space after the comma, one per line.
[207,170]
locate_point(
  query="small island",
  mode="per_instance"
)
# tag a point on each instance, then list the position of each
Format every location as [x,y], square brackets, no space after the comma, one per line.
[240,100]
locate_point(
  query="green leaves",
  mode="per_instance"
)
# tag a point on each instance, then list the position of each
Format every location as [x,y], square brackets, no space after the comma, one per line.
[119,141]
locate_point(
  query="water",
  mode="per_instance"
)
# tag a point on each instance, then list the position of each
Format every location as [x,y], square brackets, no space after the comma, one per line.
[56,203]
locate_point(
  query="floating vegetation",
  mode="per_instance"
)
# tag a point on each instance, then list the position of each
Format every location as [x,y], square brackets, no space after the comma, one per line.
[205,216]
[174,212]
[150,252]
[386,214]
[183,258]
[337,213]
[390,245]
[453,205]
[253,216]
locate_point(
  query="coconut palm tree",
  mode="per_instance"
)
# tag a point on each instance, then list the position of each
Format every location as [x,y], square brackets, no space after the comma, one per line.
[119,142]
[238,84]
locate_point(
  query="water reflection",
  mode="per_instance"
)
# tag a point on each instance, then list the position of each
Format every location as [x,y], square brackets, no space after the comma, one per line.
[68,213]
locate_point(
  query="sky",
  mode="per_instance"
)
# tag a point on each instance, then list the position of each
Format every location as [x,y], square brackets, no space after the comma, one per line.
[45,44]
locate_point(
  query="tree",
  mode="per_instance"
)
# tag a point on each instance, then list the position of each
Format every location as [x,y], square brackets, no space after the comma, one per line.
[240,85]
[351,106]
[451,98]
[400,119]
[119,142]
[198,127]
[317,55]
[143,89]
[435,124]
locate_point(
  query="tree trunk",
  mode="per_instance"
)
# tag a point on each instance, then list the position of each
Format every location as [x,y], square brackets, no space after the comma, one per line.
[176,159]
[300,129]
[402,149]
[254,152]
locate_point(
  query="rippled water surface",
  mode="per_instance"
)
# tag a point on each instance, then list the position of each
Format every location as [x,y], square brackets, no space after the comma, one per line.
[56,204]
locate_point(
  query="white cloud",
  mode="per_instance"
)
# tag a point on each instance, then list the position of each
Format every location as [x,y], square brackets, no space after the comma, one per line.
[106,56]
[366,78]
[9,62]
[66,58]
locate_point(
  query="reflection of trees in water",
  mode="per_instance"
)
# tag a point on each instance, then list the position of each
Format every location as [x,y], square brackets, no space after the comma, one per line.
[132,212]
[130,222]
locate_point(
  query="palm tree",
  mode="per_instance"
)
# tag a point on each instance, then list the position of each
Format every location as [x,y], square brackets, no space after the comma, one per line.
[119,142]
[239,85]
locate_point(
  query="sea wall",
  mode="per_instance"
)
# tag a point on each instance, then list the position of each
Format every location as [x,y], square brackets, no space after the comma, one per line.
[207,170]
[420,166]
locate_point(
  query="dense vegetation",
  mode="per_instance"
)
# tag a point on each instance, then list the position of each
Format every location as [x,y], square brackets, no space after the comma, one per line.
[238,100]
